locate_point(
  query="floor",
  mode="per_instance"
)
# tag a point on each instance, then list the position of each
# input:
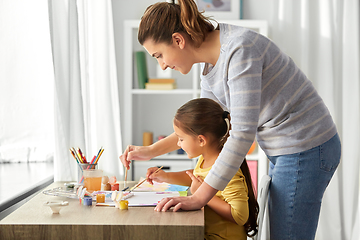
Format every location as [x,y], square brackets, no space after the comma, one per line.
[19,181]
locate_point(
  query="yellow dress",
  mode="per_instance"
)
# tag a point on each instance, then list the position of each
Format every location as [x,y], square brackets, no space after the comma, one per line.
[235,194]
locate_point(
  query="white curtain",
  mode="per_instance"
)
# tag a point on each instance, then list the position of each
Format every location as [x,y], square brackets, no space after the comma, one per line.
[322,37]
[87,113]
[26,82]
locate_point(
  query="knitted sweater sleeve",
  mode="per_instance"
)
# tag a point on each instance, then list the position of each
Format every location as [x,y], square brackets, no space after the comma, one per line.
[241,89]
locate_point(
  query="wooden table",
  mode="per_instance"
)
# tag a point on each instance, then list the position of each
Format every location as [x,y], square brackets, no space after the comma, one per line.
[33,220]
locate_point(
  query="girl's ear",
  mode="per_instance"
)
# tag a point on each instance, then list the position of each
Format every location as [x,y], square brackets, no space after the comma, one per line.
[179,40]
[202,140]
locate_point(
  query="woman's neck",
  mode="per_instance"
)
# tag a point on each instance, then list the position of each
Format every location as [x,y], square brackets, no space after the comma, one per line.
[209,50]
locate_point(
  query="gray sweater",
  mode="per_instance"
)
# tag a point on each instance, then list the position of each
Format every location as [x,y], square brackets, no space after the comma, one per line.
[267,96]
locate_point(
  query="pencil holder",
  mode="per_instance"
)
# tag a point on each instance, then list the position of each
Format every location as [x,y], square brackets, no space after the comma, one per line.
[82,167]
[92,179]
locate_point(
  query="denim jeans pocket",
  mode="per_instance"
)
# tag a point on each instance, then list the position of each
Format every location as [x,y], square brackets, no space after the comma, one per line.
[330,153]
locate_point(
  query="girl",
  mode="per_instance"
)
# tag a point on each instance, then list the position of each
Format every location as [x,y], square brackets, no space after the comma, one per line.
[231,213]
[267,95]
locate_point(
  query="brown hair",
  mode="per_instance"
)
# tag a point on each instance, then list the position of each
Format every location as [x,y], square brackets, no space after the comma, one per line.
[203,116]
[162,19]
[251,224]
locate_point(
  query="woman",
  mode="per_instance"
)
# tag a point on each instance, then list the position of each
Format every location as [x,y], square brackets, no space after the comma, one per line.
[267,95]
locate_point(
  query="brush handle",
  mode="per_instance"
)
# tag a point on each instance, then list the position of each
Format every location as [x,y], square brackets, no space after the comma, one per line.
[137,185]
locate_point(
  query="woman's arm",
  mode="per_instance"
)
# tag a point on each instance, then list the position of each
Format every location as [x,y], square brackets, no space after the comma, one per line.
[143,153]
[165,145]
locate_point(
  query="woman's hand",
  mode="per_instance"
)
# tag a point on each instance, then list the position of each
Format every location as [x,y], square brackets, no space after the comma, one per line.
[159,176]
[201,197]
[195,182]
[184,203]
[135,153]
[144,153]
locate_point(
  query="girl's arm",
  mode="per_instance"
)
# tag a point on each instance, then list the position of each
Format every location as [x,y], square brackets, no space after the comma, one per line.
[222,208]
[218,205]
[235,208]
[236,196]
[178,178]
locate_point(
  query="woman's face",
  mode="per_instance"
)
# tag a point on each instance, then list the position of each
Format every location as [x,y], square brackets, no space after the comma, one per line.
[189,143]
[174,56]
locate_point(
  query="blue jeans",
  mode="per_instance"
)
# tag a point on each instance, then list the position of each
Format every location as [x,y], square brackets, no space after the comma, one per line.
[297,187]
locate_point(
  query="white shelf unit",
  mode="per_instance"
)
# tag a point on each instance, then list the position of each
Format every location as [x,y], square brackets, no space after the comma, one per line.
[138,101]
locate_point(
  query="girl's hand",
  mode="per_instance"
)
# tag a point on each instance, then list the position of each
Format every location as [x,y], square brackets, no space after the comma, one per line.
[195,182]
[135,153]
[159,176]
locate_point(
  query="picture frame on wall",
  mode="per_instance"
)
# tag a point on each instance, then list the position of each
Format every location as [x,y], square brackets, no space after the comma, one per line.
[221,9]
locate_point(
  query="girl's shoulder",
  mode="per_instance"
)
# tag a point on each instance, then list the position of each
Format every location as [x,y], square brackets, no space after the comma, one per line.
[236,185]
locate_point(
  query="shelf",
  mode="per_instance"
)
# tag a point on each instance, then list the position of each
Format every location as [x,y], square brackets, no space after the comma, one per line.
[253,156]
[141,167]
[174,91]
[173,156]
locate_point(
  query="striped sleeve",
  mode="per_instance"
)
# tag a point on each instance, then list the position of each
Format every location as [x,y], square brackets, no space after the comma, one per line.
[243,97]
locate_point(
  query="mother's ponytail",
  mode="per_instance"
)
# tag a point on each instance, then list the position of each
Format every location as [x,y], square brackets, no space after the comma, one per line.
[162,19]
[196,25]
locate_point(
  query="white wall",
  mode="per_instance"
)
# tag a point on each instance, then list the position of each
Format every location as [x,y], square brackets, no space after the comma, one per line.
[257,9]
[125,10]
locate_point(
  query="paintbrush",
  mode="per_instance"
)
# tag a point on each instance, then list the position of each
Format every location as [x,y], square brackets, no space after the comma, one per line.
[125,177]
[137,185]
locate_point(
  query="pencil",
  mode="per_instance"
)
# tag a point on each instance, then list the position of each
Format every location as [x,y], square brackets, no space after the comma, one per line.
[79,155]
[137,185]
[73,151]
[77,161]
[82,155]
[99,155]
[92,162]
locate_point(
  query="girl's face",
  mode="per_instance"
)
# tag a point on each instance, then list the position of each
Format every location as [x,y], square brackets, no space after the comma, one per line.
[189,143]
[173,56]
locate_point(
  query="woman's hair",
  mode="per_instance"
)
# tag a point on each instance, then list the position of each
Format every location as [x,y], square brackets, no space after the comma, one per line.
[203,116]
[162,19]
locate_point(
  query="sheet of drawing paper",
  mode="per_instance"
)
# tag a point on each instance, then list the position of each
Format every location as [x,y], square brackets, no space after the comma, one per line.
[149,198]
[159,187]
[142,199]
